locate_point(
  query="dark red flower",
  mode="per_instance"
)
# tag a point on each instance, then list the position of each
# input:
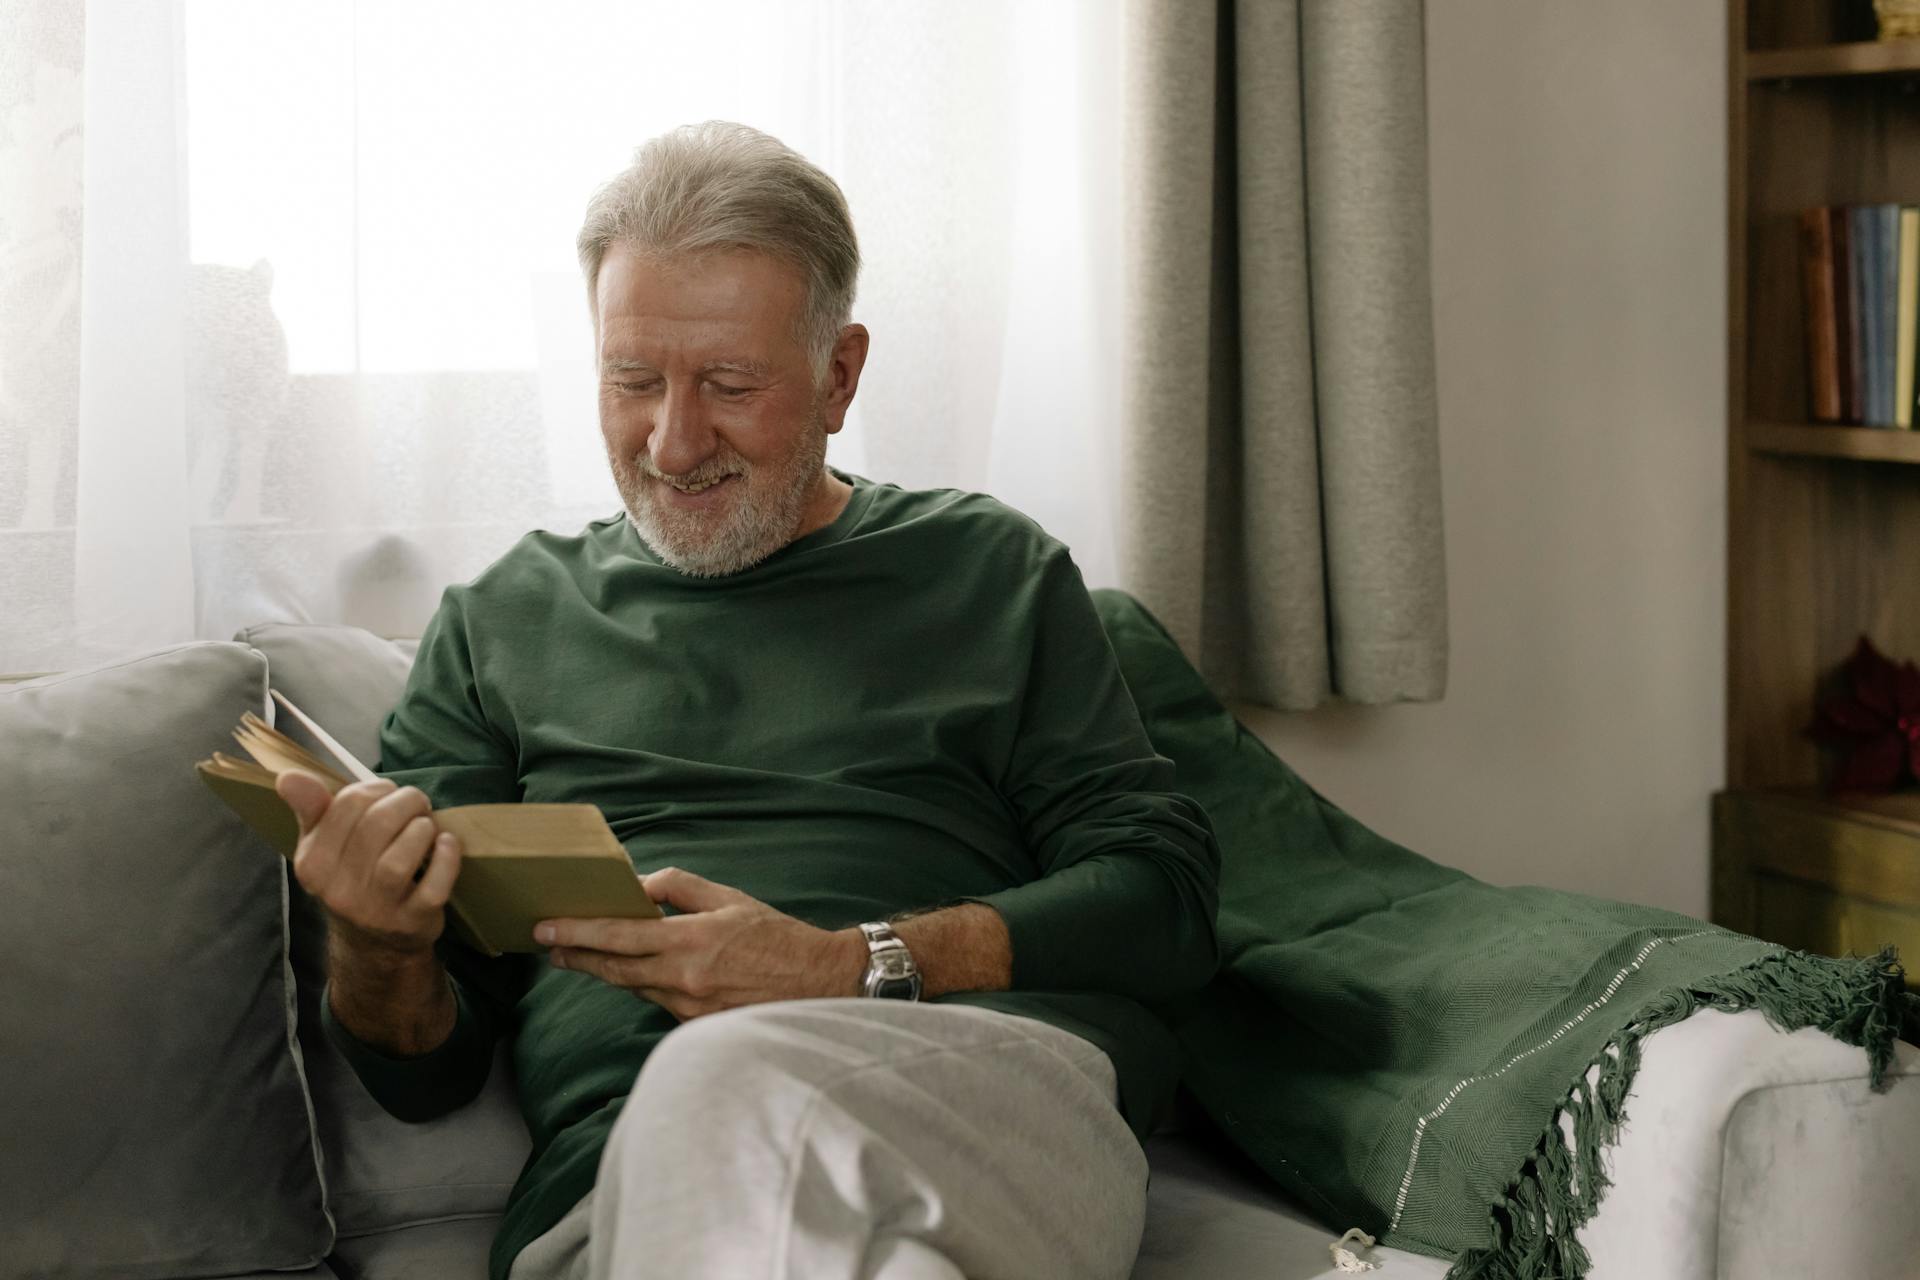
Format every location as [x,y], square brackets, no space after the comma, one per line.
[1875,719]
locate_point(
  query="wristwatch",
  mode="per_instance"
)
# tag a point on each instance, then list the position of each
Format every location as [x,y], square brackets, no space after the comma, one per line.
[891,972]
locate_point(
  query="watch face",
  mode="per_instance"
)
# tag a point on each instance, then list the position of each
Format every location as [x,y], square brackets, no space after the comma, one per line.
[897,988]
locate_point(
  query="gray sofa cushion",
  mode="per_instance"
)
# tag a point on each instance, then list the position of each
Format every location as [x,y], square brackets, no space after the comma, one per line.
[1212,1212]
[434,1251]
[381,1173]
[155,1119]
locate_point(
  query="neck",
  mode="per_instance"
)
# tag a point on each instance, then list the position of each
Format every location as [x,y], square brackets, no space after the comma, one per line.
[829,499]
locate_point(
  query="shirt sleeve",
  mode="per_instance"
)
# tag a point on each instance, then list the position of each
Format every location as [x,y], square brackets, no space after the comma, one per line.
[1129,868]
[439,738]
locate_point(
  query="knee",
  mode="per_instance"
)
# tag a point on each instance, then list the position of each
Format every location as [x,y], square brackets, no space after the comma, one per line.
[739,1050]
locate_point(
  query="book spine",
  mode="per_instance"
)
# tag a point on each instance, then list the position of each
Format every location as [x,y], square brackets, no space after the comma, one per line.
[466,930]
[1846,306]
[1887,243]
[1909,294]
[1816,277]
[1864,319]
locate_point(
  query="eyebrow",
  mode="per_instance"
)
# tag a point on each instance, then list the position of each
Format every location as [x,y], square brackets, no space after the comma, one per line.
[750,368]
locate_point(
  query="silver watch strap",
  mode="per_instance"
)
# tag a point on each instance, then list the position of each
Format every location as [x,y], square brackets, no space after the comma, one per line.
[888,960]
[880,935]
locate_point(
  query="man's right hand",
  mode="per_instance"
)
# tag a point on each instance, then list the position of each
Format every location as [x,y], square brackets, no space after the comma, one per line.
[370,855]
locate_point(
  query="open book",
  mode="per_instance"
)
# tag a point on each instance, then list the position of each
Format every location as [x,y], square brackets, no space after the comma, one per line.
[519,863]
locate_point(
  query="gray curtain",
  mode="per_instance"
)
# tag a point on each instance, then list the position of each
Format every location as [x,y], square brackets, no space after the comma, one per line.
[1281,472]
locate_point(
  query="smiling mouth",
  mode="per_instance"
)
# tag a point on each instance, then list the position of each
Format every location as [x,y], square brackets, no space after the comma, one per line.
[696,490]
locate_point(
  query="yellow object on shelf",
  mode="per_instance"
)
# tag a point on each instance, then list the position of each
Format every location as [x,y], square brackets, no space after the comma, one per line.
[1899,19]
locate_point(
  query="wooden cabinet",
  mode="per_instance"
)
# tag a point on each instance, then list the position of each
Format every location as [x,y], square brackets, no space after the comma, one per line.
[1823,521]
[1832,877]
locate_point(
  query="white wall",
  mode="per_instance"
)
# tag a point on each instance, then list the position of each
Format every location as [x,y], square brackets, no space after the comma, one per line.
[1579,242]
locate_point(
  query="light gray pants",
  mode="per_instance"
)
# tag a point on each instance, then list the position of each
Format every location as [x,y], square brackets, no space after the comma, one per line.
[860,1139]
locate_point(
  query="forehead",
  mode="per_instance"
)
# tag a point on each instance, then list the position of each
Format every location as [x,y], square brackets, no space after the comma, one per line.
[733,303]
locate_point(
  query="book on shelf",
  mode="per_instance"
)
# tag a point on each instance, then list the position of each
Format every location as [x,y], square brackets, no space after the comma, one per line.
[1846,306]
[1908,276]
[1860,286]
[1860,239]
[1823,315]
[1886,302]
[520,863]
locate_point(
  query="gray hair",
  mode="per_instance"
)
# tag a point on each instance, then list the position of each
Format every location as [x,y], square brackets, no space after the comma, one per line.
[720,185]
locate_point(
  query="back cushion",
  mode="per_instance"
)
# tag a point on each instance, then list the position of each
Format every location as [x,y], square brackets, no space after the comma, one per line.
[153,1117]
[381,1173]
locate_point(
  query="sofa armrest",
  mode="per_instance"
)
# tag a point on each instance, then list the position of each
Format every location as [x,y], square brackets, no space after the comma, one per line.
[1752,1152]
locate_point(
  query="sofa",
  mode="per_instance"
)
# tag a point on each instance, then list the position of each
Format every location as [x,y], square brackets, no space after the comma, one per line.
[170,1108]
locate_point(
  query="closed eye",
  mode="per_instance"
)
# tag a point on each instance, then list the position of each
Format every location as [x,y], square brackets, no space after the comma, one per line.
[650,383]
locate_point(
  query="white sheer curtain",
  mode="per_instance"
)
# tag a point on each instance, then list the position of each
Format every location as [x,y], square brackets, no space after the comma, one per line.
[290,326]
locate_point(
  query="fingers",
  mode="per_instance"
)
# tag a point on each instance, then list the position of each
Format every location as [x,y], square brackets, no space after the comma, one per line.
[436,886]
[620,970]
[625,937]
[321,845]
[305,794]
[379,827]
[368,858]
[322,849]
[636,973]
[399,868]
[689,892]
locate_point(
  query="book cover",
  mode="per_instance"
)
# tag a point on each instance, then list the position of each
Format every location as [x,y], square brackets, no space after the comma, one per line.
[1817,292]
[1846,311]
[520,863]
[1860,226]
[1906,296]
[1886,243]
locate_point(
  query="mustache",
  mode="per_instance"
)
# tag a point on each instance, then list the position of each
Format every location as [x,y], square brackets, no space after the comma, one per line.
[642,467]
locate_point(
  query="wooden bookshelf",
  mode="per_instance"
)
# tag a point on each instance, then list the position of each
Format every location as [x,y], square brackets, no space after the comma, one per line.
[1832,875]
[1825,440]
[1857,58]
[1823,521]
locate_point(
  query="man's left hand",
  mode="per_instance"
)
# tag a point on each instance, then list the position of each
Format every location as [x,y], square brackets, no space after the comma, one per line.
[724,948]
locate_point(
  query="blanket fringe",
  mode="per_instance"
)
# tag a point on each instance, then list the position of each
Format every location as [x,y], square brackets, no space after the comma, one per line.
[1861,1000]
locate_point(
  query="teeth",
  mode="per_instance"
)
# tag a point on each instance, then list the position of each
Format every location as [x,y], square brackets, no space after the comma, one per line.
[698,487]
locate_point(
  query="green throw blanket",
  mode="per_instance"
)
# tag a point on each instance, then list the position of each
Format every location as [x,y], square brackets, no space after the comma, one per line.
[1391,1040]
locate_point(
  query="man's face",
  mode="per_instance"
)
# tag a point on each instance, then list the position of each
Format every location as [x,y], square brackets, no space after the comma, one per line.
[701,382]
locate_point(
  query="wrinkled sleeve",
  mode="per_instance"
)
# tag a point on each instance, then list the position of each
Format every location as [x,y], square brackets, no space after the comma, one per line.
[440,738]
[1129,867]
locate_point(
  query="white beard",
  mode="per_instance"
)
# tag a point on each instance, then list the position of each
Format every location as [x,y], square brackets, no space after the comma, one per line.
[760,515]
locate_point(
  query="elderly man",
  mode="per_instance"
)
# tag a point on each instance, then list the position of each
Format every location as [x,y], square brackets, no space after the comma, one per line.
[929,890]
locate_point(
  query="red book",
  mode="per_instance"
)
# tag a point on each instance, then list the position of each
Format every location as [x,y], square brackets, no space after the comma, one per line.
[1823,338]
[1846,307]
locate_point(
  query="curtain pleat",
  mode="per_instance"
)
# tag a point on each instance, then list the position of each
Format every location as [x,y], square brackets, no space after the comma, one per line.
[133,562]
[1281,492]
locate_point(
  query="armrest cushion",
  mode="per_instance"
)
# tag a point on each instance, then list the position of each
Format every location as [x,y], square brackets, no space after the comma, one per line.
[1748,1151]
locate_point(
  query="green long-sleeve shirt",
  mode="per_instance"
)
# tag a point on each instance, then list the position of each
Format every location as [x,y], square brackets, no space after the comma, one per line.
[912,707]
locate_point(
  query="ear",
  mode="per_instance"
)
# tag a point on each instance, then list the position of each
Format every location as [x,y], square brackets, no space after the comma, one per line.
[843,375]
[263,272]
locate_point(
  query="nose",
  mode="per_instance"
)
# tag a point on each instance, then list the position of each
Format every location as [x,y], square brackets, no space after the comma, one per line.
[681,438]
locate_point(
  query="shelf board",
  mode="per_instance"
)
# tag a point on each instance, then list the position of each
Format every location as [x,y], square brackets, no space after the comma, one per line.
[1828,440]
[1826,61]
[1896,811]
[1863,847]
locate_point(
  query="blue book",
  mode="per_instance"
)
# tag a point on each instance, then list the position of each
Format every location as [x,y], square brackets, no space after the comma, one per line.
[1860,240]
[1861,250]
[1886,243]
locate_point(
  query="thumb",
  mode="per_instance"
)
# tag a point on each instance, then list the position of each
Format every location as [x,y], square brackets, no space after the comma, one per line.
[305,794]
[688,892]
